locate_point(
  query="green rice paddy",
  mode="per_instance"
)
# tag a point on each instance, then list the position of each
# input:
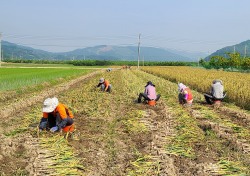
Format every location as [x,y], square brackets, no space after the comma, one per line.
[19,78]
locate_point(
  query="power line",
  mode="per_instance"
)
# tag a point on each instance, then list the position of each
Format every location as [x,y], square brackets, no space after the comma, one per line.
[145,38]
[183,40]
[245,55]
[150,39]
[81,46]
[13,36]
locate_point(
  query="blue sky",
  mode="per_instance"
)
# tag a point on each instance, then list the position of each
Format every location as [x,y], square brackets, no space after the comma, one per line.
[64,25]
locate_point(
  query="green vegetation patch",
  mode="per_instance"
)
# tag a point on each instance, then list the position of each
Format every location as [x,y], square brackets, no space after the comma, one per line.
[16,132]
[19,78]
[231,168]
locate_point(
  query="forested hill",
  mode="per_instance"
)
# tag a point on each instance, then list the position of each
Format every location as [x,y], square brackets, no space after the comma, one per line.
[243,48]
[14,51]
[101,52]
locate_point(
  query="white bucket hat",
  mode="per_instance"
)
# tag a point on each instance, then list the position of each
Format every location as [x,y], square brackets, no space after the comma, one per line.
[50,104]
[101,80]
[181,86]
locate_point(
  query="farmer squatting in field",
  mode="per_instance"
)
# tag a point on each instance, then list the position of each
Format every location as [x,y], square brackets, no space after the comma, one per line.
[216,92]
[185,95]
[149,93]
[105,85]
[56,116]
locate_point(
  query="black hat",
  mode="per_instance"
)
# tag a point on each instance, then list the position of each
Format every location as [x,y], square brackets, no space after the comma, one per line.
[149,83]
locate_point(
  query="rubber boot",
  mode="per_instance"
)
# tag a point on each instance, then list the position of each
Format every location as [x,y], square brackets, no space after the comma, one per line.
[139,100]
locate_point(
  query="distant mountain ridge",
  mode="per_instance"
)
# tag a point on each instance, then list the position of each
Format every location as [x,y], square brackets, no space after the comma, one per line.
[243,48]
[100,52]
[126,53]
[11,50]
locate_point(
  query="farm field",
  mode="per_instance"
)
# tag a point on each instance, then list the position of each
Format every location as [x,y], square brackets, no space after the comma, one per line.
[9,64]
[117,136]
[18,82]
[19,78]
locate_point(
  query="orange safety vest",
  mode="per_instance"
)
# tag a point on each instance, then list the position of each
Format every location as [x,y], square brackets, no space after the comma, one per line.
[106,83]
[188,91]
[63,111]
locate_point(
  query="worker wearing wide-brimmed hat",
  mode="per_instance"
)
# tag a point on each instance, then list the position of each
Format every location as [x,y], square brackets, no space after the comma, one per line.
[149,93]
[56,116]
[105,85]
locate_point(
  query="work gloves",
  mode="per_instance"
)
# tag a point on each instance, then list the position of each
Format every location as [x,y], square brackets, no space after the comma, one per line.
[43,124]
[54,129]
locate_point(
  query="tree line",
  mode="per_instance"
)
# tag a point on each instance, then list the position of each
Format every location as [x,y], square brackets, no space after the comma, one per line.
[100,62]
[231,61]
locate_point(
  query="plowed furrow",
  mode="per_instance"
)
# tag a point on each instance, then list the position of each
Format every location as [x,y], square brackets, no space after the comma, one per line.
[160,131]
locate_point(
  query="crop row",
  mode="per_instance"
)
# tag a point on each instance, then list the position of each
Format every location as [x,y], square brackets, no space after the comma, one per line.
[223,138]
[118,111]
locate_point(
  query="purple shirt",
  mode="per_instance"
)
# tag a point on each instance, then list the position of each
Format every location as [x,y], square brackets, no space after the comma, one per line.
[150,91]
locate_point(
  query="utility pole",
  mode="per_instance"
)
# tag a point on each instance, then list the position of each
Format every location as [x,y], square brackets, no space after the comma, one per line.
[245,51]
[0,49]
[234,49]
[139,51]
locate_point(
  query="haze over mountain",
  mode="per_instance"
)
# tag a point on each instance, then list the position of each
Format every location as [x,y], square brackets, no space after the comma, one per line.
[100,52]
[243,48]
